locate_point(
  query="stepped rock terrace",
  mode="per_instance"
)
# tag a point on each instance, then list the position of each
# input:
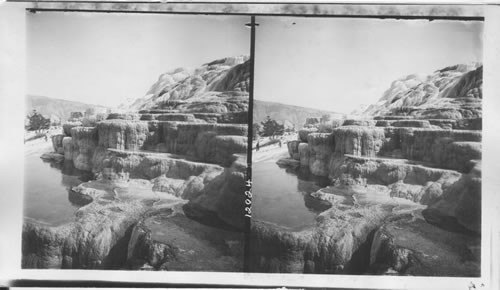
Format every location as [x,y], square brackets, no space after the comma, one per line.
[401,189]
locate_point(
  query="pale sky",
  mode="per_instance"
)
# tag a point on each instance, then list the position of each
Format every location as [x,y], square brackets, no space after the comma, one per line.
[338,64]
[105,58]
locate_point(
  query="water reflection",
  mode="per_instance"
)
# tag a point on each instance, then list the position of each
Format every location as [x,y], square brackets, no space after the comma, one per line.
[282,195]
[47,190]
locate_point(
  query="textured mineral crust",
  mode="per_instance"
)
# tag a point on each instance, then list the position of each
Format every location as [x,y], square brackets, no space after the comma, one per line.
[405,185]
[169,192]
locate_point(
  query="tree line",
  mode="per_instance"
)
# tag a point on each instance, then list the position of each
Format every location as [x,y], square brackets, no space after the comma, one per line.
[269,128]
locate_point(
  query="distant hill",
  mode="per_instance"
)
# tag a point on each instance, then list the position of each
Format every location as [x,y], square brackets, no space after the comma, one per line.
[291,115]
[56,107]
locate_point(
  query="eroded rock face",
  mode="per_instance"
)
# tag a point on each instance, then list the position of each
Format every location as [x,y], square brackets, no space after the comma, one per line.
[450,93]
[339,243]
[459,207]
[57,143]
[321,147]
[441,147]
[84,140]
[206,142]
[52,157]
[223,83]
[407,245]
[303,133]
[98,237]
[171,241]
[293,149]
[304,154]
[69,125]
[223,197]
[406,185]
[123,135]
[358,140]
[152,165]
[177,162]
[67,144]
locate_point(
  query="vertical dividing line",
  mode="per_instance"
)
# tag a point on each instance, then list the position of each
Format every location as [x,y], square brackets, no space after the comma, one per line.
[248,220]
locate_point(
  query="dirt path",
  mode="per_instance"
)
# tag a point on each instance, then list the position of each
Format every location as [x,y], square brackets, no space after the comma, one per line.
[270,153]
[40,145]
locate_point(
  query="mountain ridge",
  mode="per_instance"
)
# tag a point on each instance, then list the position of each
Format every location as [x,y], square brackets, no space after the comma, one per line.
[290,115]
[55,106]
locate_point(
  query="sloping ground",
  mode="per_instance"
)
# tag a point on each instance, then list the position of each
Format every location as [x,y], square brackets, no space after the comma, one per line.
[451,93]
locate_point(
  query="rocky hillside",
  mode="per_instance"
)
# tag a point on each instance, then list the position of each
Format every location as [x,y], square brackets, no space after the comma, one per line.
[287,114]
[170,178]
[453,92]
[404,186]
[56,107]
[216,84]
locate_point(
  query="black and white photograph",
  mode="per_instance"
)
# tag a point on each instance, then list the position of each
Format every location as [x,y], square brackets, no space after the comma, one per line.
[136,137]
[249,144]
[367,147]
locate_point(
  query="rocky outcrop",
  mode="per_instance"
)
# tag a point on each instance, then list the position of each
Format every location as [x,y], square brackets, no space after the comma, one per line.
[421,149]
[459,207]
[57,143]
[171,241]
[339,243]
[404,123]
[448,149]
[123,116]
[293,149]
[451,93]
[236,79]
[52,157]
[69,125]
[303,133]
[354,122]
[84,142]
[67,144]
[98,237]
[358,140]
[205,142]
[222,84]
[223,197]
[460,124]
[152,165]
[191,139]
[230,117]
[122,135]
[407,245]
[175,168]
[321,147]
[442,147]
[405,180]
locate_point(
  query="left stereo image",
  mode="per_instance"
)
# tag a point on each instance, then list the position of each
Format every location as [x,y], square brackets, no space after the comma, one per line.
[135,141]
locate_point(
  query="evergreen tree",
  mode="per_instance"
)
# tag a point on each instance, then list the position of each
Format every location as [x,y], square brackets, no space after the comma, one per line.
[271,128]
[37,122]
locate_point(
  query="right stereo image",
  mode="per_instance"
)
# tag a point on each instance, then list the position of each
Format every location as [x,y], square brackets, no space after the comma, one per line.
[366,155]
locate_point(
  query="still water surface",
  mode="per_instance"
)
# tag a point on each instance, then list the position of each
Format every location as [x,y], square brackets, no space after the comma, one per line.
[282,196]
[47,197]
